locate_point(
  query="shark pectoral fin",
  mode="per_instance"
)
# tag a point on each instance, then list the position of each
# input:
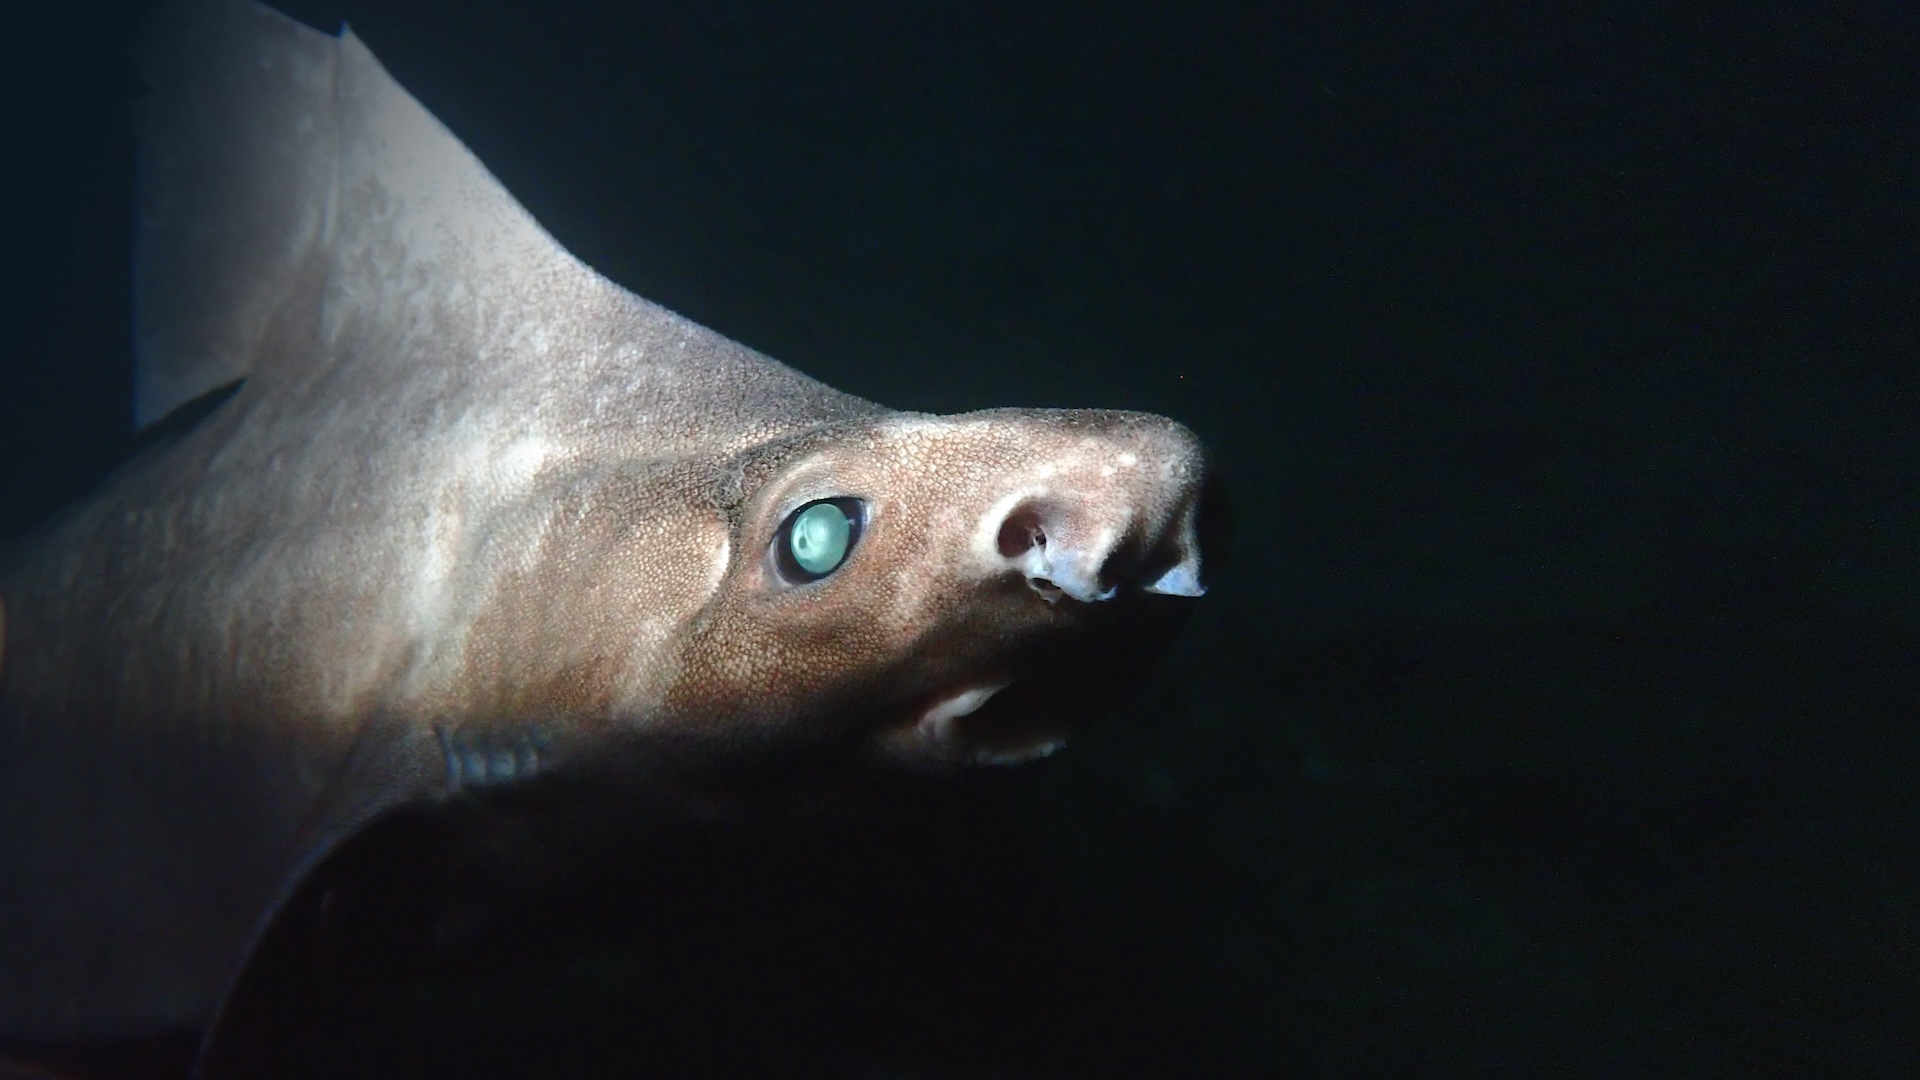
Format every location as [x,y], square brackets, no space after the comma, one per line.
[298,968]
[294,972]
[298,959]
[401,893]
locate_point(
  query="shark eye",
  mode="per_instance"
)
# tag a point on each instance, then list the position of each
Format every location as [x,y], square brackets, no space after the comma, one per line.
[815,539]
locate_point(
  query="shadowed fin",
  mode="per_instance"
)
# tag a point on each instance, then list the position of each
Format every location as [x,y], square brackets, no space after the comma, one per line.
[282,171]
[236,159]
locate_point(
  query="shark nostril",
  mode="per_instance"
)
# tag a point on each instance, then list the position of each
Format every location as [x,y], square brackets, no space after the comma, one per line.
[1021,532]
[1062,548]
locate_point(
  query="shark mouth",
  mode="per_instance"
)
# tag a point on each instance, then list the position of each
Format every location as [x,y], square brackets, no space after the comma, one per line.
[954,725]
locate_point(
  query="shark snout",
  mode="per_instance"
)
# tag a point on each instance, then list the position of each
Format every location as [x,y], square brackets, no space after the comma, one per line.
[1145,526]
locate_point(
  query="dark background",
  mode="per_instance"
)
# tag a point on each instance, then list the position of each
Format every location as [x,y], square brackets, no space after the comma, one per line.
[1560,715]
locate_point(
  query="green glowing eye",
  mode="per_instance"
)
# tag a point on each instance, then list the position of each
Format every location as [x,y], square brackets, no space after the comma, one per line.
[820,537]
[816,539]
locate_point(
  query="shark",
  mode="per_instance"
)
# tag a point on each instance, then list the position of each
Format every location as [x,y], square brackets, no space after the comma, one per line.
[442,525]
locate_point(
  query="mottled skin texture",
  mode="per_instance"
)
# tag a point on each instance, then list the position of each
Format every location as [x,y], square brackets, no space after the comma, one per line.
[474,495]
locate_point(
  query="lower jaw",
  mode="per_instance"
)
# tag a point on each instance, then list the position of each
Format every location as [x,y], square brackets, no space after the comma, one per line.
[971,723]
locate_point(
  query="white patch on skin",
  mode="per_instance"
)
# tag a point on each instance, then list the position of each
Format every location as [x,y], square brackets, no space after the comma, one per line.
[717,567]
[1128,459]
[441,539]
[431,597]
[485,477]
[686,588]
[500,475]
[516,466]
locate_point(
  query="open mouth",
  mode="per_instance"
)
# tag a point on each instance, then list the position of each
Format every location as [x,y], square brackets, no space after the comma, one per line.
[972,722]
[1024,703]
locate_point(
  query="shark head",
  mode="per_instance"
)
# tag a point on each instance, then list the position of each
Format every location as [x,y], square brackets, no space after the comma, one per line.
[1002,570]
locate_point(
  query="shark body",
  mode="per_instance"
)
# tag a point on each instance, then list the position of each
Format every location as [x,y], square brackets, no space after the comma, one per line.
[474,519]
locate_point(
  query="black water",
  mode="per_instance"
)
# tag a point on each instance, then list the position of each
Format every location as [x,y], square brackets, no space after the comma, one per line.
[1560,716]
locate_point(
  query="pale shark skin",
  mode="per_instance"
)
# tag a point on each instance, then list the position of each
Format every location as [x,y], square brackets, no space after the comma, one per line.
[477,514]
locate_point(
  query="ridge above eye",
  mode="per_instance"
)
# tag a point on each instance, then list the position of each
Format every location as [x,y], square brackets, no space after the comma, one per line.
[816,538]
